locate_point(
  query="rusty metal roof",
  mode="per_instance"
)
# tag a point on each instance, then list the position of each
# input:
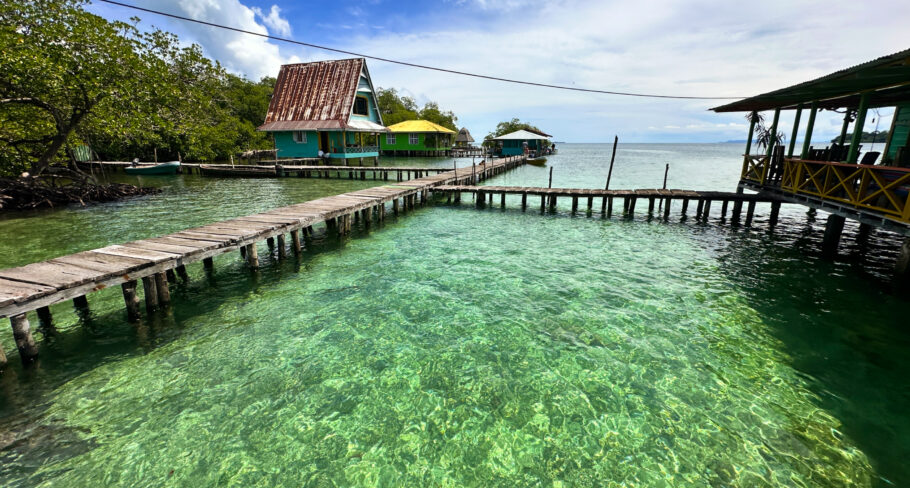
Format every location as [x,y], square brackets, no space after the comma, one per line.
[314,96]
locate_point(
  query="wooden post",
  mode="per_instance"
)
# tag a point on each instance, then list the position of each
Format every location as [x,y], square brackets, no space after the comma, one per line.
[706,211]
[295,241]
[667,204]
[612,158]
[502,200]
[45,320]
[550,184]
[480,199]
[799,111]
[775,210]
[853,155]
[843,128]
[723,209]
[685,206]
[395,206]
[252,257]
[131,300]
[524,201]
[81,303]
[23,335]
[632,202]
[164,294]
[650,205]
[543,204]
[282,253]
[737,211]
[150,290]
[833,229]
[552,202]
[574,203]
[209,264]
[271,243]
[170,275]
[181,272]
[807,141]
[750,212]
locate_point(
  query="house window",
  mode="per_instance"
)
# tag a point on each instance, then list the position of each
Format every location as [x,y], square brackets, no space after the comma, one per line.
[361,106]
[390,139]
[413,139]
[300,137]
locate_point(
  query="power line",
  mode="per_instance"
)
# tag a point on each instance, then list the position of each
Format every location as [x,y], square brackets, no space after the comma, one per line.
[413,65]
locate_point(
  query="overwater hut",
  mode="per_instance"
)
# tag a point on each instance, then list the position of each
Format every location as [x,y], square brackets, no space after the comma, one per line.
[463,138]
[417,138]
[841,178]
[514,143]
[325,109]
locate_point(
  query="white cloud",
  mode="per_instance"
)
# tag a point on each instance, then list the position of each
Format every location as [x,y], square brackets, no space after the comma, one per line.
[274,21]
[240,53]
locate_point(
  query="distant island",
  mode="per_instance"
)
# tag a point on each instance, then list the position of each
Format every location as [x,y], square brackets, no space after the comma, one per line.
[874,136]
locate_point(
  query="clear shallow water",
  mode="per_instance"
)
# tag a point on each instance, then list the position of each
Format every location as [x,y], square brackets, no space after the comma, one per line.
[457,347]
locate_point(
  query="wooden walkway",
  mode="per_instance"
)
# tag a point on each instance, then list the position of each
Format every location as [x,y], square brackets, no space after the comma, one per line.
[548,197]
[158,260]
[376,173]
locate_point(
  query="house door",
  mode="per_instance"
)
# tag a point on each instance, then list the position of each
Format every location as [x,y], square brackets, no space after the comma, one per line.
[324,141]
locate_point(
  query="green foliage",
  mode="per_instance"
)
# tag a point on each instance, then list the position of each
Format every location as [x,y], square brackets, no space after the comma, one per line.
[71,77]
[874,136]
[395,109]
[507,127]
[762,136]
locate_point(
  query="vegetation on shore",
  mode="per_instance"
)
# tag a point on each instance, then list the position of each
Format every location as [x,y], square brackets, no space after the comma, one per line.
[397,108]
[874,136]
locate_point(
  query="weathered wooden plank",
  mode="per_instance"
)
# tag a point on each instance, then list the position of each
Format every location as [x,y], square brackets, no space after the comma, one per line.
[57,275]
[17,291]
[154,256]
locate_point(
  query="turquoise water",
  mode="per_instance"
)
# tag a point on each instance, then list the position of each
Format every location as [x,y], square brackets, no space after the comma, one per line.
[462,347]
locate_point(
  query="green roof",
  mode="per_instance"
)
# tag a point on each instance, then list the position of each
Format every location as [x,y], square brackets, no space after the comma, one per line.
[886,78]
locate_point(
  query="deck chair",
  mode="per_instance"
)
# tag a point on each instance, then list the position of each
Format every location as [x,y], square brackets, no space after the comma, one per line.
[869,157]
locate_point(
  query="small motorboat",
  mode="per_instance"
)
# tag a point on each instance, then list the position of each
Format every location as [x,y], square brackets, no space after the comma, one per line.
[538,161]
[168,168]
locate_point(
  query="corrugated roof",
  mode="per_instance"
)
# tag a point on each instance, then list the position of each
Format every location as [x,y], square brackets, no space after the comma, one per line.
[888,76]
[319,94]
[464,136]
[521,135]
[419,126]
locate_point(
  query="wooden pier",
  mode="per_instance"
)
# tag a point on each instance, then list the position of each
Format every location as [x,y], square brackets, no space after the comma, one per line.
[376,173]
[703,200]
[153,261]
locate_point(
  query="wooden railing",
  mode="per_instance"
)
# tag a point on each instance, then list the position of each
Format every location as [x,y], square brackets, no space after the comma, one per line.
[883,189]
[755,168]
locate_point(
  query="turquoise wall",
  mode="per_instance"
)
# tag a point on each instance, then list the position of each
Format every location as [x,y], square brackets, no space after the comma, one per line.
[374,116]
[515,148]
[288,148]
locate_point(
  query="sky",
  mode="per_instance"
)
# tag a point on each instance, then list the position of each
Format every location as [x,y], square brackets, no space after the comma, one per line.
[711,48]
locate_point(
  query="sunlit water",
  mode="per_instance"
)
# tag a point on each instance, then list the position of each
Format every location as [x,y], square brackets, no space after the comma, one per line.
[462,347]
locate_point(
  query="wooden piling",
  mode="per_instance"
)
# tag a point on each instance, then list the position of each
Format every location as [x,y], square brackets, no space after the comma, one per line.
[45,320]
[170,275]
[502,200]
[524,201]
[252,257]
[699,209]
[590,204]
[775,212]
[182,274]
[833,229]
[609,207]
[164,294]
[131,300]
[574,204]
[723,209]
[395,206]
[22,334]
[737,212]
[271,243]
[685,206]
[750,212]
[706,211]
[209,263]
[650,205]
[150,291]
[667,203]
[282,253]
[81,303]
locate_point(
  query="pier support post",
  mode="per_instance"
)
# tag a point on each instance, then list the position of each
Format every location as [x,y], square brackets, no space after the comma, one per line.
[631,210]
[609,207]
[685,207]
[45,321]
[543,203]
[81,304]
[252,257]
[737,212]
[698,209]
[271,243]
[750,212]
[574,204]
[131,300]
[295,241]
[524,201]
[706,211]
[164,294]
[209,264]
[552,202]
[170,275]
[502,200]
[723,209]
[775,211]
[650,205]
[181,272]
[667,203]
[590,205]
[282,252]
[833,229]
[22,333]
[480,200]
[395,206]
[150,290]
